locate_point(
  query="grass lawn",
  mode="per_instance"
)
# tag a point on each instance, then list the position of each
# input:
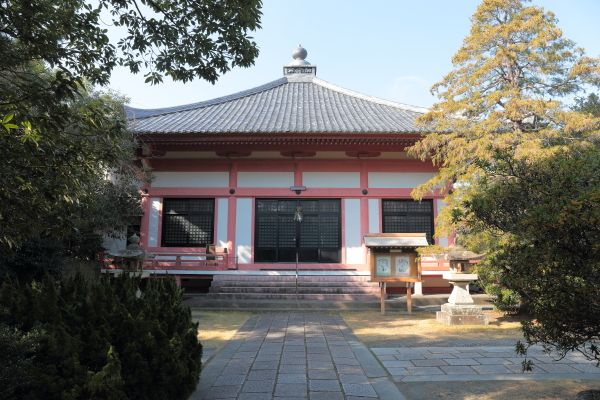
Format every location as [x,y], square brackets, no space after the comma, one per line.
[372,328]
[217,327]
[376,330]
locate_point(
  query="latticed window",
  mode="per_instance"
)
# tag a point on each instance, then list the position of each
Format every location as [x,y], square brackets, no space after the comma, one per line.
[316,239]
[188,222]
[408,216]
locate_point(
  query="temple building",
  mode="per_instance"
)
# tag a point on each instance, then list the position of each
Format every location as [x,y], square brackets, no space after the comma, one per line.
[293,172]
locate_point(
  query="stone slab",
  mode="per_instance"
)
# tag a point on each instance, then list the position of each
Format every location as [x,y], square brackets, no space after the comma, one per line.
[385,389]
[321,374]
[450,319]
[456,309]
[326,396]
[324,385]
[490,369]
[353,389]
[457,369]
[290,389]
[264,386]
[461,361]
[261,374]
[424,371]
[429,363]
[230,380]
[558,368]
[399,364]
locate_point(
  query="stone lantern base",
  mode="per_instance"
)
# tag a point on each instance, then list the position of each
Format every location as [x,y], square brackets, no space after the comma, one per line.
[453,314]
[460,309]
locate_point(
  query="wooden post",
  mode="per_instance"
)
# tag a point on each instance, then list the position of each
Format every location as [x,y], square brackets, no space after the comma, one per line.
[296,273]
[382,286]
[409,299]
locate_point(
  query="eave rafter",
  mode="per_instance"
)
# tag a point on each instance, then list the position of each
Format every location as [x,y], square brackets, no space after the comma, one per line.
[280,141]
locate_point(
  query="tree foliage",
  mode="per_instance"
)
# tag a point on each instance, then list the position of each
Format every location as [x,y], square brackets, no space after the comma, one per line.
[57,134]
[176,38]
[589,105]
[548,213]
[55,155]
[38,256]
[100,341]
[104,209]
[113,205]
[520,159]
[505,94]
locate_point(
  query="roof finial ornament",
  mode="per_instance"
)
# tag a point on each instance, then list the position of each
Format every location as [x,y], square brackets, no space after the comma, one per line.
[299,54]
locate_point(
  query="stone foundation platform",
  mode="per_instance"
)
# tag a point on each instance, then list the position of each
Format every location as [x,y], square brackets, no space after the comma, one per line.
[455,314]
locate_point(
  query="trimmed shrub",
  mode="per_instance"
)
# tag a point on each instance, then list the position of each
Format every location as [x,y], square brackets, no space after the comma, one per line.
[105,342]
[18,352]
[38,256]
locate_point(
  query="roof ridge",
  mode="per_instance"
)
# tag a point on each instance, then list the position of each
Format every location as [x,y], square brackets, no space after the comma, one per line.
[366,97]
[133,113]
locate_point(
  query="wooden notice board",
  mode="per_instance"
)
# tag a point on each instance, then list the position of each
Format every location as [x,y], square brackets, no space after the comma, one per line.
[393,258]
[394,266]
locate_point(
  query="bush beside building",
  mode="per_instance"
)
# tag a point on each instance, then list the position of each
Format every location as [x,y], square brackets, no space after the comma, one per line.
[97,341]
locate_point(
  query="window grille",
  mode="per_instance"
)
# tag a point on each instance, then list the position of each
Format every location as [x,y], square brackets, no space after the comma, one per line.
[316,239]
[188,222]
[408,216]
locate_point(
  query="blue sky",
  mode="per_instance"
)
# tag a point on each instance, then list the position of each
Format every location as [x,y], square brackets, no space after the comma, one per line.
[392,49]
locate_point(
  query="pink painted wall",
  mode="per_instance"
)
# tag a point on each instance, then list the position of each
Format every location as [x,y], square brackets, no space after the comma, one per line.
[298,167]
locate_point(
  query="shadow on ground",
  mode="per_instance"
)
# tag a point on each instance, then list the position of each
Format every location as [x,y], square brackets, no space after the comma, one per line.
[497,390]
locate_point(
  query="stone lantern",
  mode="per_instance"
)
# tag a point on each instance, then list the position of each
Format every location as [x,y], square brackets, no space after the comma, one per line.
[133,256]
[460,308]
[133,259]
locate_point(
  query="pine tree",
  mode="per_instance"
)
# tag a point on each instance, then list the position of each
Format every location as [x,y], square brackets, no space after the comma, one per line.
[521,163]
[506,93]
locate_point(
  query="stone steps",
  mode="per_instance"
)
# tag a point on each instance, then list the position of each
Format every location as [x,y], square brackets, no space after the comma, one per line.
[292,283]
[278,296]
[291,278]
[310,287]
[292,290]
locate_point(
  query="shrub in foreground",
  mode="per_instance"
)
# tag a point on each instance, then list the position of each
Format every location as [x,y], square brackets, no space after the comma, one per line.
[101,341]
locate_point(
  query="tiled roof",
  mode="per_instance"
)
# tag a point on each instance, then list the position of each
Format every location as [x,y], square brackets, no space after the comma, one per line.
[281,106]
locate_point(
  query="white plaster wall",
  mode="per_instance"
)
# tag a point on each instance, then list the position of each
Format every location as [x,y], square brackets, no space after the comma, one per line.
[265,179]
[355,253]
[331,179]
[222,208]
[442,241]
[191,179]
[398,180]
[153,222]
[374,216]
[243,230]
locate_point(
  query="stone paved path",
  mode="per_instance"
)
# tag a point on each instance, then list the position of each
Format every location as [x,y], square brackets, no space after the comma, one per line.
[408,364]
[316,356]
[295,356]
